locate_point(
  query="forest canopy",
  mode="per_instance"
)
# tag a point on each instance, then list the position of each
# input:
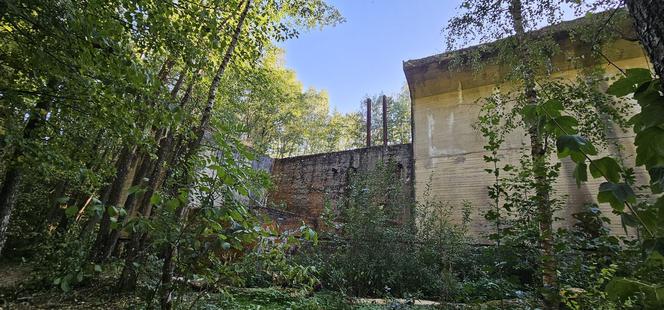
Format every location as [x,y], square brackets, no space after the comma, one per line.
[132,131]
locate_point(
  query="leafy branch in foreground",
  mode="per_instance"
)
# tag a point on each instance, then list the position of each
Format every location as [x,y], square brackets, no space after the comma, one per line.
[646,216]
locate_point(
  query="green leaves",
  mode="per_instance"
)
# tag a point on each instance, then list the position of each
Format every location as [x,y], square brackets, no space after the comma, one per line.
[155,199]
[62,200]
[623,288]
[225,245]
[309,234]
[549,116]
[172,204]
[136,189]
[562,125]
[649,93]
[652,106]
[114,215]
[71,211]
[575,146]
[648,125]
[578,147]
[581,173]
[650,147]
[616,194]
[606,167]
[612,192]
[656,179]
[629,83]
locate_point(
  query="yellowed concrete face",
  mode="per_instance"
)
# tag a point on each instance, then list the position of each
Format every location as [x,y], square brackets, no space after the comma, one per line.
[448,151]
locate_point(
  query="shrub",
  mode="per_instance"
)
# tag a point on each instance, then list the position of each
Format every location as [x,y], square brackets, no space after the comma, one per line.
[380,242]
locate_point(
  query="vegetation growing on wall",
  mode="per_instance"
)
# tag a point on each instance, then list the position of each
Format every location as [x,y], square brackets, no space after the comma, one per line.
[378,246]
[129,128]
[574,117]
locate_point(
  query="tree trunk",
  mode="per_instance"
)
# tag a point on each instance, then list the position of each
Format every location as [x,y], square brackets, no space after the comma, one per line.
[129,206]
[129,277]
[124,165]
[212,94]
[649,23]
[8,195]
[105,241]
[90,224]
[12,179]
[165,155]
[166,69]
[146,166]
[166,289]
[55,212]
[538,154]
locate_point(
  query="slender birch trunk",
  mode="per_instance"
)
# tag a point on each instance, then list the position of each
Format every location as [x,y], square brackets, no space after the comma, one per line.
[168,268]
[538,154]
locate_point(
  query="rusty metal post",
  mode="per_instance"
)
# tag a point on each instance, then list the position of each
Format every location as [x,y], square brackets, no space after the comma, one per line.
[384,120]
[368,122]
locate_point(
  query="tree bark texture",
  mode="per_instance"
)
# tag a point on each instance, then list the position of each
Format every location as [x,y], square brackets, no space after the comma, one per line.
[129,161]
[129,206]
[152,170]
[124,166]
[91,223]
[648,18]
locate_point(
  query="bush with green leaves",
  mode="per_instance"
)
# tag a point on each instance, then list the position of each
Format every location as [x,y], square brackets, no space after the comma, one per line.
[382,243]
[273,262]
[638,279]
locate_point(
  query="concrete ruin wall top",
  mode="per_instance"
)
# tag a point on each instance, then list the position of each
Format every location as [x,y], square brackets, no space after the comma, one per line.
[303,184]
[448,151]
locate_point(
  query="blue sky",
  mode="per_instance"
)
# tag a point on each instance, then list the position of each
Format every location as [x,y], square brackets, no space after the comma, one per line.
[364,55]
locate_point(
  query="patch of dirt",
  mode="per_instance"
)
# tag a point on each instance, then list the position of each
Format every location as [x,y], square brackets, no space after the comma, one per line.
[56,300]
[12,275]
[17,292]
[378,301]
[85,298]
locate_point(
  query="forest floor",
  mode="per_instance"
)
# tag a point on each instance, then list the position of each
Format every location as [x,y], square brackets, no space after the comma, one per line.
[255,299]
[17,292]
[12,274]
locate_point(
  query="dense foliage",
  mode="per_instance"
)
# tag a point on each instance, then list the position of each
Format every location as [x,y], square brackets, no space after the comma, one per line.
[573,115]
[130,131]
[122,133]
[384,244]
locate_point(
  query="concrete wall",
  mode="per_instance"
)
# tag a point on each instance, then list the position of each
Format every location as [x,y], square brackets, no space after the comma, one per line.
[302,184]
[450,151]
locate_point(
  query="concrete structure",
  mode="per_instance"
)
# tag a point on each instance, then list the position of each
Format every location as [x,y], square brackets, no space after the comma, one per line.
[303,184]
[448,151]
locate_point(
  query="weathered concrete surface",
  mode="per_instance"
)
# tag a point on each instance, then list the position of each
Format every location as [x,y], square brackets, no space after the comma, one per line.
[303,184]
[449,151]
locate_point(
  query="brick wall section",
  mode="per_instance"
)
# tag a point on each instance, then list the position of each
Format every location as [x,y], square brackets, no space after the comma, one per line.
[302,184]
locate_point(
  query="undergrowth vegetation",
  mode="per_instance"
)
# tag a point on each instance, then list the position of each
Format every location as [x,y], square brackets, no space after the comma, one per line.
[382,243]
[133,168]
